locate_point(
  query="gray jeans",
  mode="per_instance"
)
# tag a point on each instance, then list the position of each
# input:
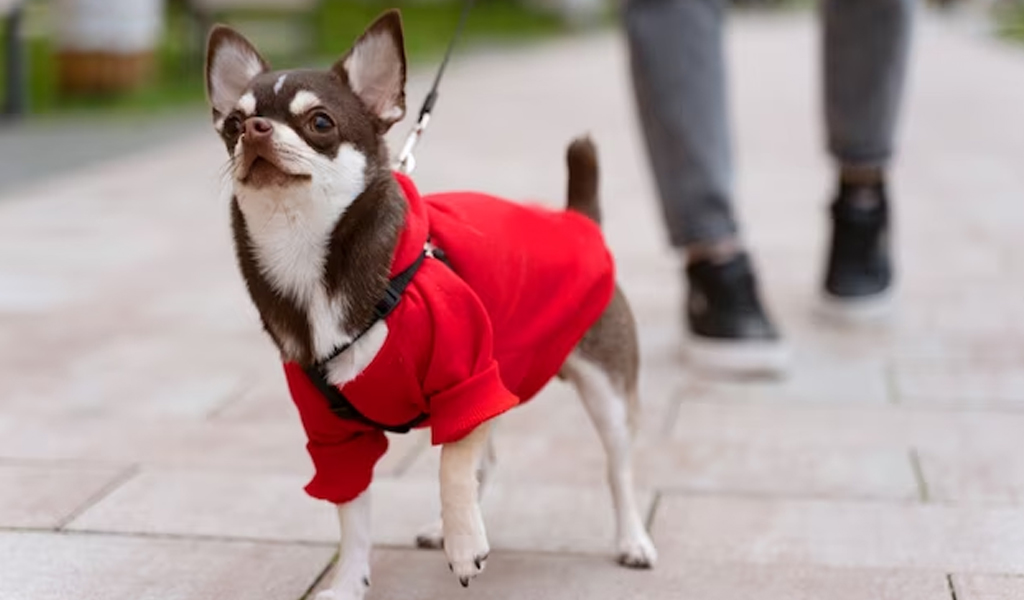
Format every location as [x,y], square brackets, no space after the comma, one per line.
[679,79]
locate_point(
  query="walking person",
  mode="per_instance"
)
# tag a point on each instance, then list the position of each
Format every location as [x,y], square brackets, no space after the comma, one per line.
[676,51]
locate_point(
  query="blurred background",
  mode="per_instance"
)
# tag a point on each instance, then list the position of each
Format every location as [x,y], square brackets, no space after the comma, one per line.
[104,56]
[115,61]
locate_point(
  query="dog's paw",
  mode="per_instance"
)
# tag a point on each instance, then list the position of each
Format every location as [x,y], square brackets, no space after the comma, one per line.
[431,537]
[469,561]
[637,551]
[466,548]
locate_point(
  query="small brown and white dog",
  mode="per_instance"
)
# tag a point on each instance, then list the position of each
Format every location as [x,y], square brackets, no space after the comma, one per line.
[315,211]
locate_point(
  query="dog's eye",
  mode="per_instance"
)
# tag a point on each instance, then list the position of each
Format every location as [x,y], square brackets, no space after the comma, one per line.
[232,126]
[321,122]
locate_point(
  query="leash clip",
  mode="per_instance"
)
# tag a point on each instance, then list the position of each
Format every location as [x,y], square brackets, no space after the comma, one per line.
[406,160]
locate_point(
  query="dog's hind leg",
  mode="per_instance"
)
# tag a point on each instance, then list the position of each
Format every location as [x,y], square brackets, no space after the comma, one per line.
[604,370]
[431,537]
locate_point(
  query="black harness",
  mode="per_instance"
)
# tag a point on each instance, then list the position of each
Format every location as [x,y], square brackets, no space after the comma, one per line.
[317,373]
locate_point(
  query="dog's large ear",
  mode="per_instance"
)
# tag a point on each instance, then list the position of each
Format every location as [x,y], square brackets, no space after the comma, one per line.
[231,63]
[375,68]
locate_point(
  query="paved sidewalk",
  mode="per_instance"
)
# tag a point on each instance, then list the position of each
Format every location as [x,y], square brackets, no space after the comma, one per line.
[39,149]
[148,449]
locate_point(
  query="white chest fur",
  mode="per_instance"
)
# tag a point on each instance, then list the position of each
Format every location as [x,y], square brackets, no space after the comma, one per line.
[290,228]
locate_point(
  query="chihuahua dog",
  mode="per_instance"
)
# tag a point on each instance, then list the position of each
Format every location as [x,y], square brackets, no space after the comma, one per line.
[393,310]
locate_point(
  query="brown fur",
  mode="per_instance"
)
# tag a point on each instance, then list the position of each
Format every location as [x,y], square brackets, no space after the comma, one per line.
[581,159]
[359,257]
[611,342]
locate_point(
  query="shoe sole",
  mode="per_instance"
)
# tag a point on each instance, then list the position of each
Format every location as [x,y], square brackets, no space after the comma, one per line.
[858,311]
[738,358]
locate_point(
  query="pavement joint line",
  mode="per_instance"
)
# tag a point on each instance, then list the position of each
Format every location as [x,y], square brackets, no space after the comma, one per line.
[122,478]
[659,495]
[233,398]
[652,511]
[323,574]
[60,463]
[922,483]
[596,553]
[682,491]
[168,536]
[918,404]
[685,491]
[952,586]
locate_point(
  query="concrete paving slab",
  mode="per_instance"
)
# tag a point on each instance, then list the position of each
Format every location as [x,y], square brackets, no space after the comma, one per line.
[840,534]
[43,494]
[988,587]
[212,504]
[57,566]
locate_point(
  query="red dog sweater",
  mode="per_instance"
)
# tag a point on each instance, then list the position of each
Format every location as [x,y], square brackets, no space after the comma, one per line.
[465,343]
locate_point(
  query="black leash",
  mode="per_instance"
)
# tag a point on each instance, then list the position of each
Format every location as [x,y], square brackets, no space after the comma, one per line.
[406,161]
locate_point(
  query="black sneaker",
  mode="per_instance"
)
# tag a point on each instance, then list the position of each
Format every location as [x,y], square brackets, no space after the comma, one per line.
[729,329]
[858,278]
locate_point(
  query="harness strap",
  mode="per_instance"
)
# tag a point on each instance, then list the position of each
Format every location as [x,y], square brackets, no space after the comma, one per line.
[341,406]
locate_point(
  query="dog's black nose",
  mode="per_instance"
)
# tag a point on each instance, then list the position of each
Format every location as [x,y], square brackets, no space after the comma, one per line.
[257,128]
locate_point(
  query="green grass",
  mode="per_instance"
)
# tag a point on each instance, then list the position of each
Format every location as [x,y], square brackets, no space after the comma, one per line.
[1011,21]
[322,39]
[430,25]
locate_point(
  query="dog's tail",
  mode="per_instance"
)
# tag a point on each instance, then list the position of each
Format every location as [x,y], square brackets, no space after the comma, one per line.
[583,176]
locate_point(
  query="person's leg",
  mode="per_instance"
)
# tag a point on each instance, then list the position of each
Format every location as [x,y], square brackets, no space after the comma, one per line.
[679,81]
[676,51]
[865,62]
[866,48]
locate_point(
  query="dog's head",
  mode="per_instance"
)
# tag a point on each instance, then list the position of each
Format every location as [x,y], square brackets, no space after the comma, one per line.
[321,129]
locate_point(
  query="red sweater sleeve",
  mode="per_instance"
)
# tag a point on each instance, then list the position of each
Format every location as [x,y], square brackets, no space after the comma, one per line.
[343,453]
[463,385]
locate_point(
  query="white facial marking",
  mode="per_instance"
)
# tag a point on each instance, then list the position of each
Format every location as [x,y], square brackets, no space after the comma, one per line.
[303,101]
[247,104]
[290,229]
[350,164]
[231,69]
[279,83]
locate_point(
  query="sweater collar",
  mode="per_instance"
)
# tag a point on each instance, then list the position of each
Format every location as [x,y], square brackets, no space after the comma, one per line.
[416,231]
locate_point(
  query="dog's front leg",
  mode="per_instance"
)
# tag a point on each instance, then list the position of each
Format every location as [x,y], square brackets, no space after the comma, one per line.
[352,573]
[465,540]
